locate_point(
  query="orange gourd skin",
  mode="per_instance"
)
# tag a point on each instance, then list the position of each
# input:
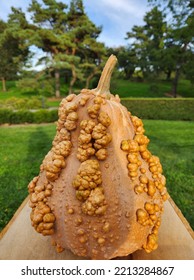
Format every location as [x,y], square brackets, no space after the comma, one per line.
[100,191]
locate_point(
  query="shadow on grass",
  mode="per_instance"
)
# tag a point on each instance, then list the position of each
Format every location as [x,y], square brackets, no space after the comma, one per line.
[39,145]
[14,179]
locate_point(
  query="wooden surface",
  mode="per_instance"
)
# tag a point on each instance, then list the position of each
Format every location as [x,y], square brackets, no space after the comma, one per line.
[19,240]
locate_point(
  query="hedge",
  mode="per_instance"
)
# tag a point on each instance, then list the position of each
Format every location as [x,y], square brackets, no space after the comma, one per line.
[25,116]
[156,108]
[161,108]
[15,103]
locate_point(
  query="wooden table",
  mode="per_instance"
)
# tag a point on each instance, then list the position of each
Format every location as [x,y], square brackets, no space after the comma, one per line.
[19,241]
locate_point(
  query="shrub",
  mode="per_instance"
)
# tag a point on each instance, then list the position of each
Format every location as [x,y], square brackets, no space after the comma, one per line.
[25,116]
[46,116]
[5,116]
[14,103]
[41,85]
[22,103]
[53,115]
[33,103]
[161,108]
[155,108]
[21,116]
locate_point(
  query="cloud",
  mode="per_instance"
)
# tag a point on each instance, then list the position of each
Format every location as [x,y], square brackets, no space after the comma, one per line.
[123,7]
[5,7]
[117,17]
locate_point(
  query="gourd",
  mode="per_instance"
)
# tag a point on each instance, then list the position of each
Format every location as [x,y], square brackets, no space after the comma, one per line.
[100,191]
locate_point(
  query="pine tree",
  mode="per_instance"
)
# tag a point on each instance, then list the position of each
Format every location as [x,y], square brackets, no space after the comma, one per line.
[149,42]
[49,32]
[13,52]
[68,36]
[179,43]
[86,54]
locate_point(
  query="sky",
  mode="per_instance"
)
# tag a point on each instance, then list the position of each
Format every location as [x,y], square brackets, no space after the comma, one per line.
[116,17]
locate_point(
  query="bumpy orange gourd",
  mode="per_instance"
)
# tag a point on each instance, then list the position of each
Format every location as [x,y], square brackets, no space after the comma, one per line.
[100,191]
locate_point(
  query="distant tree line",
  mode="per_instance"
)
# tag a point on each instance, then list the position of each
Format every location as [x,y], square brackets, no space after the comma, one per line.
[163,45]
[66,35]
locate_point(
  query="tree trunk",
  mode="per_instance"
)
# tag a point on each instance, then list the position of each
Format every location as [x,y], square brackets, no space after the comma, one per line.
[168,75]
[57,83]
[3,84]
[89,79]
[128,73]
[178,70]
[175,82]
[73,79]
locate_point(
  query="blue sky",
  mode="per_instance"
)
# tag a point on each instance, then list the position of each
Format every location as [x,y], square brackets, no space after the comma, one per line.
[116,16]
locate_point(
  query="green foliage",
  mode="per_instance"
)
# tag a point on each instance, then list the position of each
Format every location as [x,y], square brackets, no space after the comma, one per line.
[5,116]
[124,88]
[13,53]
[68,39]
[45,116]
[179,42]
[69,36]
[43,86]
[161,109]
[27,85]
[21,116]
[149,42]
[127,59]
[155,108]
[21,103]
[163,46]
[26,116]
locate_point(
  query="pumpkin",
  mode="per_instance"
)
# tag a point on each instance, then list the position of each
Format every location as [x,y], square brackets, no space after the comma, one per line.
[100,191]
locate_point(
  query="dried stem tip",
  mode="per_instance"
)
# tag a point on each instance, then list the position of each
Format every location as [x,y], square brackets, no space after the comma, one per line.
[104,82]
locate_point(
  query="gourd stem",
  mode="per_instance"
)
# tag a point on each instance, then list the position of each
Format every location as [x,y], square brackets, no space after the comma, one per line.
[104,82]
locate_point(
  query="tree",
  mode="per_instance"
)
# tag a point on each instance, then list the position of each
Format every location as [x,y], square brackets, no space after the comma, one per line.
[165,47]
[180,40]
[48,32]
[4,65]
[13,52]
[92,59]
[148,42]
[83,33]
[68,37]
[127,59]
[179,9]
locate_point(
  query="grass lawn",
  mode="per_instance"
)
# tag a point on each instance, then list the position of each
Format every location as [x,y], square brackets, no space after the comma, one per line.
[125,88]
[23,148]
[173,142]
[12,91]
[155,89]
